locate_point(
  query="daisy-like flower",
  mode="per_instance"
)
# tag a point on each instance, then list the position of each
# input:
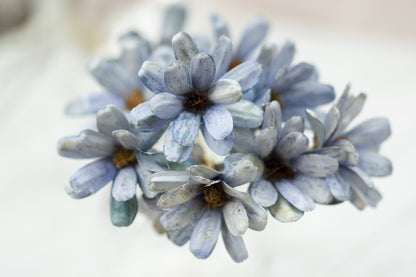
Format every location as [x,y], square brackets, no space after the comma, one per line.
[356,150]
[119,77]
[116,145]
[295,87]
[251,38]
[201,202]
[289,177]
[194,93]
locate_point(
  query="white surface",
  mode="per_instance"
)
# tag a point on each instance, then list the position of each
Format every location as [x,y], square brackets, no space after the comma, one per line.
[46,233]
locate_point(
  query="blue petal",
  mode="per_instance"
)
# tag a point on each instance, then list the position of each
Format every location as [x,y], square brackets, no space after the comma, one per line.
[202,71]
[219,25]
[185,128]
[218,122]
[123,213]
[124,186]
[177,79]
[295,196]
[91,177]
[175,152]
[246,114]
[222,55]
[109,119]
[172,22]
[144,120]
[184,48]
[252,37]
[166,105]
[92,102]
[308,94]
[370,133]
[293,75]
[246,74]
[152,76]
[220,147]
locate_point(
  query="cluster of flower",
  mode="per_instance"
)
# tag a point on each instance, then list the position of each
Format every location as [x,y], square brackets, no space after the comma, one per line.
[251,106]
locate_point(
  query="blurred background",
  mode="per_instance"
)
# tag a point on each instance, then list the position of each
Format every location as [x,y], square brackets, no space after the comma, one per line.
[43,47]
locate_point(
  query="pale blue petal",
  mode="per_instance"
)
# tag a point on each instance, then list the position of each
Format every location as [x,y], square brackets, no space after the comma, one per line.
[317,128]
[185,128]
[296,197]
[272,116]
[144,120]
[181,216]
[219,25]
[124,186]
[202,71]
[370,133]
[339,189]
[163,55]
[177,79]
[315,188]
[179,195]
[293,75]
[218,122]
[246,114]
[308,94]
[246,74]
[220,147]
[184,48]
[349,112]
[166,180]
[166,105]
[253,35]
[292,145]
[175,152]
[243,140]
[294,124]
[152,76]
[109,119]
[222,55]
[235,217]
[284,211]
[123,213]
[92,102]
[181,236]
[126,139]
[264,193]
[265,141]
[374,164]
[225,91]
[173,22]
[235,246]
[315,165]
[239,173]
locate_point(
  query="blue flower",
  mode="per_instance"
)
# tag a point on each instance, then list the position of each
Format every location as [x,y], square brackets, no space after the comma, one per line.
[356,150]
[295,87]
[119,77]
[201,202]
[116,145]
[194,93]
[289,177]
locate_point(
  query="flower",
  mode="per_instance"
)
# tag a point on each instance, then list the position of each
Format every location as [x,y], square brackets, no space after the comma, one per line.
[253,35]
[119,76]
[289,177]
[117,147]
[295,87]
[201,202]
[194,93]
[355,150]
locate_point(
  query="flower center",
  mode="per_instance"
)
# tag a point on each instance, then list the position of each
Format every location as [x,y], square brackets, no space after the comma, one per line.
[123,157]
[274,96]
[234,63]
[214,196]
[276,169]
[195,102]
[135,98]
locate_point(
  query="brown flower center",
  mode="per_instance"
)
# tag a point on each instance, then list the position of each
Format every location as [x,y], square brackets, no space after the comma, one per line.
[276,169]
[234,63]
[124,157]
[214,196]
[195,102]
[135,98]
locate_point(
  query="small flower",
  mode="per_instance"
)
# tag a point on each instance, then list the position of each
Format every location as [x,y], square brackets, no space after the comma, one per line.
[201,202]
[119,77]
[355,150]
[116,145]
[194,93]
[289,177]
[295,87]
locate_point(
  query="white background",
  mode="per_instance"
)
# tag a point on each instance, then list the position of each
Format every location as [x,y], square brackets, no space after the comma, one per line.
[44,232]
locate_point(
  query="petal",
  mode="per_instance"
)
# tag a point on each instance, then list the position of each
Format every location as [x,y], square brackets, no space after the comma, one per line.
[235,246]
[173,22]
[243,140]
[175,152]
[315,188]
[370,133]
[143,177]
[272,116]
[222,55]
[110,75]
[220,26]
[124,186]
[205,234]
[184,47]
[179,195]
[331,122]
[292,145]
[220,147]
[88,144]
[333,152]
[294,124]
[265,58]
[202,71]
[181,236]
[177,79]
[166,105]
[181,216]
[350,112]
[374,164]
[284,211]
[218,122]
[235,217]
[315,165]
[92,177]
[163,55]
[252,37]
[308,94]
[264,193]
[185,128]
[317,127]
[109,119]
[265,141]
[292,76]
[144,120]
[246,114]
[126,139]
[123,213]
[246,74]
[152,161]
[167,180]
[348,156]
[92,102]
[152,76]
[204,171]
[225,91]
[257,215]
[339,189]
[148,139]
[239,173]
[296,197]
